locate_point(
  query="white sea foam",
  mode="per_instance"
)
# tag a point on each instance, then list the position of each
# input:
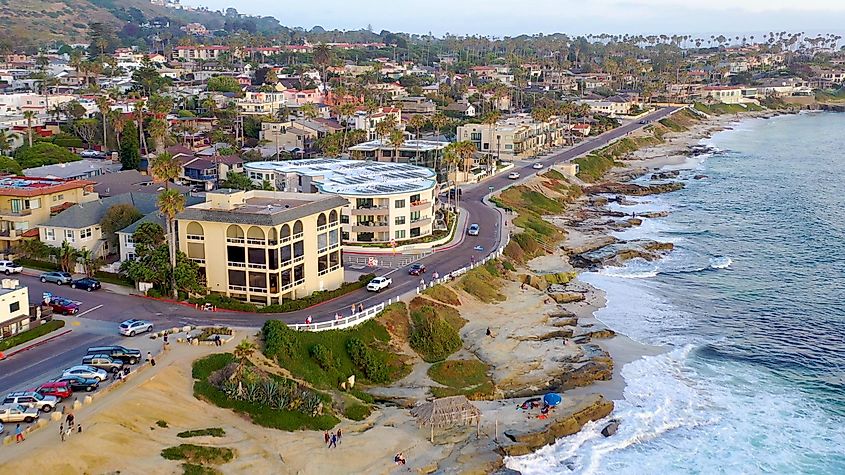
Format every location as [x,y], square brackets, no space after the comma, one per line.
[720,262]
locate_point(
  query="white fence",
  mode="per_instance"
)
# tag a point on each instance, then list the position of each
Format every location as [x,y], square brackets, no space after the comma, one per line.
[341,323]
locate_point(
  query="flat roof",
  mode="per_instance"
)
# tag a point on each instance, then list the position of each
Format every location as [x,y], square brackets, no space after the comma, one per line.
[412,145]
[263,208]
[32,186]
[355,177]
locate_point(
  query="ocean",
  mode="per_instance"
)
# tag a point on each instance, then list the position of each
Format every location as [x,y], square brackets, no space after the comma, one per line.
[750,306]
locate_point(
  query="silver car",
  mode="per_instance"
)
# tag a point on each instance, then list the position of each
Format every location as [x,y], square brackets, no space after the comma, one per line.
[57,277]
[87,372]
[17,413]
[31,399]
[132,327]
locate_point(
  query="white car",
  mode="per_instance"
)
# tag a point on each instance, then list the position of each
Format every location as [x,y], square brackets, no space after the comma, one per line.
[89,154]
[132,327]
[379,283]
[18,413]
[87,372]
[10,267]
[537,166]
[513,176]
[473,229]
[31,399]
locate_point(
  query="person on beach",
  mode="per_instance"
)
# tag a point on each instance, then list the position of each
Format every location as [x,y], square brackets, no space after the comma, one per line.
[150,359]
[165,341]
[218,340]
[69,419]
[326,437]
[68,430]
[352,309]
[333,441]
[338,435]
[399,459]
[489,333]
[308,320]
[360,307]
[19,434]
[62,432]
[78,428]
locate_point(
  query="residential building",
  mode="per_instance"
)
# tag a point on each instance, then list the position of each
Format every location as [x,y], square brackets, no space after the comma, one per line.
[416,105]
[79,225]
[262,246]
[515,137]
[296,136]
[125,240]
[26,203]
[612,106]
[14,308]
[461,108]
[385,201]
[366,121]
[261,103]
[723,94]
[423,153]
[203,52]
[79,170]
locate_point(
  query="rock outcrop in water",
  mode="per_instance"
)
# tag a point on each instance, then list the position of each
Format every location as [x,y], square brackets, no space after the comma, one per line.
[633,189]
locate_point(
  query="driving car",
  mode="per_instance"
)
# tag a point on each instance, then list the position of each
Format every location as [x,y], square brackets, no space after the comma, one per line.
[78,383]
[57,277]
[31,399]
[127,355]
[473,229]
[132,327]
[104,362]
[10,267]
[85,283]
[58,389]
[379,283]
[537,166]
[513,176]
[90,154]
[416,269]
[18,413]
[64,306]
[87,372]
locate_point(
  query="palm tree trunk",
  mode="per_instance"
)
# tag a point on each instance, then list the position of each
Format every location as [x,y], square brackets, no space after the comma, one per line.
[171,233]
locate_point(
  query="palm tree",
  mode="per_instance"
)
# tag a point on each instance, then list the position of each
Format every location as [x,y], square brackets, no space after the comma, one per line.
[171,203]
[88,260]
[29,116]
[118,122]
[139,117]
[322,58]
[67,256]
[345,111]
[490,121]
[6,141]
[417,122]
[103,105]
[309,110]
[242,352]
[396,138]
[164,169]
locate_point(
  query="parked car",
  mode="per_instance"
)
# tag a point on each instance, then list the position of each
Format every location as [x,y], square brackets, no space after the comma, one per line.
[91,154]
[78,383]
[379,283]
[416,269]
[104,362]
[537,166]
[64,306]
[85,283]
[127,355]
[31,399]
[57,277]
[473,229]
[59,389]
[87,372]
[513,176]
[18,413]
[133,327]
[10,267]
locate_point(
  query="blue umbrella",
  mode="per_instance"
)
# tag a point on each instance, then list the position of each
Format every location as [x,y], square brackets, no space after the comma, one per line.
[552,399]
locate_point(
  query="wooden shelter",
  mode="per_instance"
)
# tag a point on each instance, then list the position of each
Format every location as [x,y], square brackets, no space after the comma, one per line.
[447,412]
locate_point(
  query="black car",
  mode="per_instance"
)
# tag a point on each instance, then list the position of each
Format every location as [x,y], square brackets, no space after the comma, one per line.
[416,269]
[86,283]
[78,383]
[127,355]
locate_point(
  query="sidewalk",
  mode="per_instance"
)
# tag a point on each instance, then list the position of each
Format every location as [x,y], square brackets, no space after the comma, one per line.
[113,288]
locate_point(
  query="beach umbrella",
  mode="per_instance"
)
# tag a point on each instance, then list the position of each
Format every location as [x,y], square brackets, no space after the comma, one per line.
[552,399]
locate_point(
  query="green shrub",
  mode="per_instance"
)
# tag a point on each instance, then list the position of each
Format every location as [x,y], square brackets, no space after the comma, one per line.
[361,395]
[222,301]
[323,356]
[195,469]
[279,339]
[432,337]
[212,431]
[318,297]
[29,335]
[199,454]
[161,423]
[357,412]
[370,362]
[443,294]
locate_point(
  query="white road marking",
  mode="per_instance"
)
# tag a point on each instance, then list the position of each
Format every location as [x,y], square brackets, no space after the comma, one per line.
[88,311]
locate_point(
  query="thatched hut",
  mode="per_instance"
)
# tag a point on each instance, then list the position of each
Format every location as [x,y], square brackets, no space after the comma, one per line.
[447,412]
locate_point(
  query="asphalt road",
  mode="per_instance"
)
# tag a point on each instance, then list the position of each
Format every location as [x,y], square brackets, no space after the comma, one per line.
[101,311]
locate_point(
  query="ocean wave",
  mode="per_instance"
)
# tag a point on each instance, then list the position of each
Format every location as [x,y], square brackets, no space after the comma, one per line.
[643,269]
[720,262]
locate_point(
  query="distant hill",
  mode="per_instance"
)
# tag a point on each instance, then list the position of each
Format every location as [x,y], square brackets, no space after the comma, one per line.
[28,23]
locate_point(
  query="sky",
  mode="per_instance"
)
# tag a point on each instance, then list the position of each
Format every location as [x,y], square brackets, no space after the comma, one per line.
[514,17]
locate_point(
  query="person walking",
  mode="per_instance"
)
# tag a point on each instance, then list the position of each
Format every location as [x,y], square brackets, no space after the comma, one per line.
[151,359]
[333,441]
[352,309]
[62,432]
[360,307]
[165,341]
[326,437]
[339,435]
[19,434]
[69,419]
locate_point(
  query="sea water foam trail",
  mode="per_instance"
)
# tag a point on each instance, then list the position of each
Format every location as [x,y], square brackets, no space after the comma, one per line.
[748,304]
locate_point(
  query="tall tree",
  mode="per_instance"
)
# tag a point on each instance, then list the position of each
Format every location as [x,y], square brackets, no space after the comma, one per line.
[323,59]
[130,155]
[397,140]
[29,116]
[104,107]
[164,169]
[170,204]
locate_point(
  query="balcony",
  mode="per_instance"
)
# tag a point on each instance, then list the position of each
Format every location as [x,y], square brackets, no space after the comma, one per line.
[198,260]
[420,222]
[326,271]
[195,237]
[374,211]
[9,214]
[237,288]
[253,265]
[420,205]
[371,228]
[236,264]
[257,242]
[235,240]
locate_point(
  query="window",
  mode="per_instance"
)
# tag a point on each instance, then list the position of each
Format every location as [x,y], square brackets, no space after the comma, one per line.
[69,235]
[85,233]
[415,216]
[14,307]
[322,242]
[49,234]
[400,234]
[399,204]
[400,220]
[35,203]
[130,238]
[344,219]
[475,136]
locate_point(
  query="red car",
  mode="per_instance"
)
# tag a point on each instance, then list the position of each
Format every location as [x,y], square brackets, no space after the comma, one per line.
[60,389]
[416,269]
[64,306]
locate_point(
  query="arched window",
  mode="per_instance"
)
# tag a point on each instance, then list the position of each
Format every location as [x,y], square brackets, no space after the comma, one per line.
[297,227]
[285,231]
[333,216]
[321,219]
[234,233]
[255,232]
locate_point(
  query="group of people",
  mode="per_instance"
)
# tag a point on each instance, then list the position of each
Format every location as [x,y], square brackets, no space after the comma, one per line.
[332,438]
[64,432]
[399,459]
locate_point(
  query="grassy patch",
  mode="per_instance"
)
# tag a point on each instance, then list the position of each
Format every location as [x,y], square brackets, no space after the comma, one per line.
[198,454]
[483,283]
[29,335]
[356,412]
[443,294]
[433,337]
[259,414]
[450,314]
[212,431]
[161,423]
[361,395]
[332,363]
[467,377]
[195,469]
[720,109]
[592,167]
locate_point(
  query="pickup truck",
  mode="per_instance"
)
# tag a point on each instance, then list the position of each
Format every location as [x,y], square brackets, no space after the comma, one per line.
[379,283]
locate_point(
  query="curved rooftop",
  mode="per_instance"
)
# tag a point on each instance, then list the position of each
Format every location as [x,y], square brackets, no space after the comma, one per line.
[355,177]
